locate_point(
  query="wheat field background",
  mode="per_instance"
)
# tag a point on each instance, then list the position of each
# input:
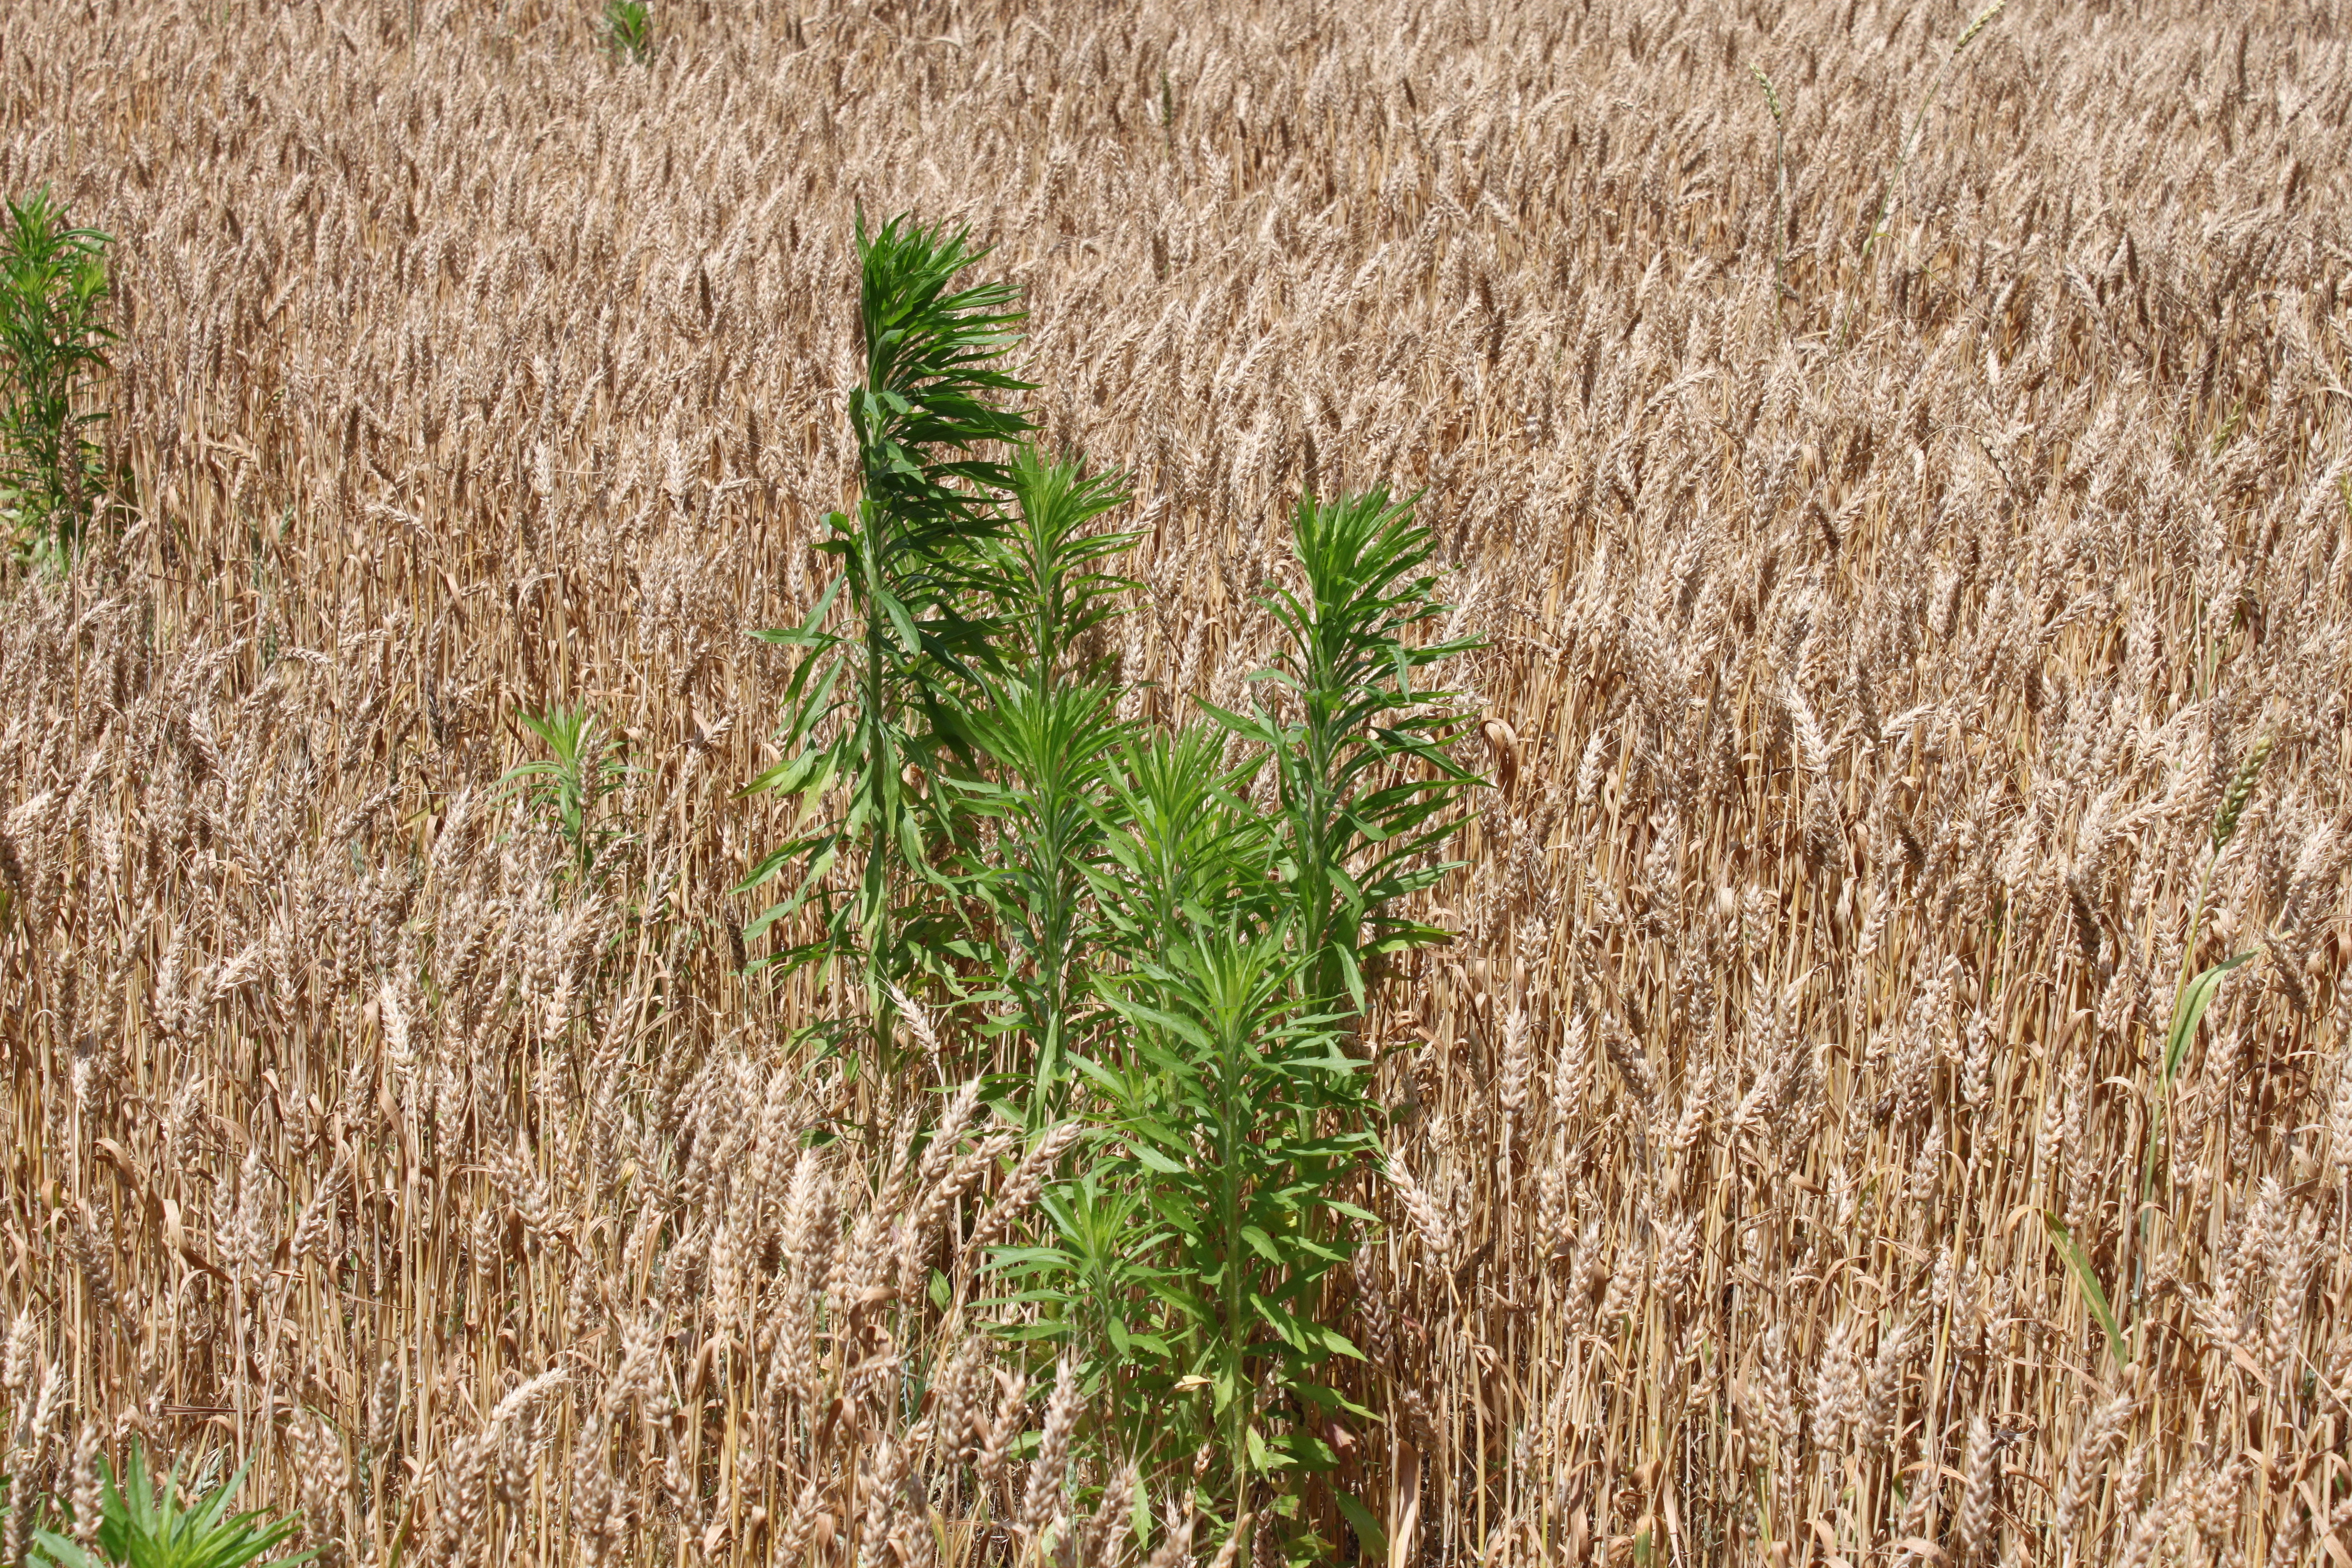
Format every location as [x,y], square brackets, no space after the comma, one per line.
[1869,665]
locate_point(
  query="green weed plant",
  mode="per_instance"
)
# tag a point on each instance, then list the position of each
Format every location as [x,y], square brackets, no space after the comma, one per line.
[54,291]
[628,29]
[565,788]
[149,1524]
[1097,908]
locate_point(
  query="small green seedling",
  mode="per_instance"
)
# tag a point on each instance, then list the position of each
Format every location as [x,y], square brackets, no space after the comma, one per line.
[628,28]
[567,786]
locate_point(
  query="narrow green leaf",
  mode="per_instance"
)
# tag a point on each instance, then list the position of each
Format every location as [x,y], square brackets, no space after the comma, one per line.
[2194,999]
[2079,1264]
[1375,1540]
[61,1550]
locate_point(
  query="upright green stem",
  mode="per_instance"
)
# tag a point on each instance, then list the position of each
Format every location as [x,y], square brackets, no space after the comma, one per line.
[1318,848]
[878,779]
[2191,996]
[1048,647]
[1054,943]
[1315,859]
[1228,1204]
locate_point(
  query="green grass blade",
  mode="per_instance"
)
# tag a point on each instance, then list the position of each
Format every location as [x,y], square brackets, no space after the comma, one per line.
[2194,999]
[2079,1264]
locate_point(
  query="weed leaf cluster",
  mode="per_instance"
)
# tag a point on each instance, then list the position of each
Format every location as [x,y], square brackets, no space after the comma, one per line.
[147,1522]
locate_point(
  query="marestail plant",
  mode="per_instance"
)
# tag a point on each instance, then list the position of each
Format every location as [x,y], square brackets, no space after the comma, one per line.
[871,705]
[1236,948]
[1366,791]
[628,29]
[1131,945]
[54,291]
[1243,1120]
[1043,721]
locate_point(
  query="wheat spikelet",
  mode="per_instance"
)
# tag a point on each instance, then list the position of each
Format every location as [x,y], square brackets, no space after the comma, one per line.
[1042,1503]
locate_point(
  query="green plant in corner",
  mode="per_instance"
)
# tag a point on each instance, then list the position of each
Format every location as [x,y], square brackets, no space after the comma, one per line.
[53,294]
[39,1513]
[628,29]
[147,1523]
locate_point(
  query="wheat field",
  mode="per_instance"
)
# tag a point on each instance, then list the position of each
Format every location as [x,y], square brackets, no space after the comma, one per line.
[1876,615]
